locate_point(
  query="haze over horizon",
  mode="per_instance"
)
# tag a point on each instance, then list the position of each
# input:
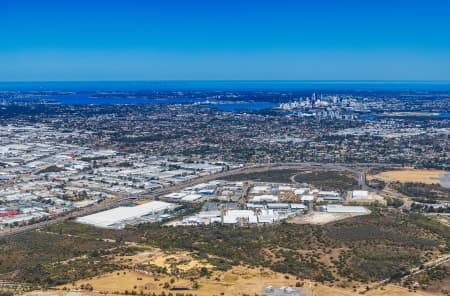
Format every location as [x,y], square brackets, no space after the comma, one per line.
[202,40]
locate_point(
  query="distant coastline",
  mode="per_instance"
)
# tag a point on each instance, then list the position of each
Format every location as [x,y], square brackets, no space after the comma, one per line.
[250,85]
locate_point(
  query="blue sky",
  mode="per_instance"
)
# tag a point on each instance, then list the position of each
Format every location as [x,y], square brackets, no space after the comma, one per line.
[188,40]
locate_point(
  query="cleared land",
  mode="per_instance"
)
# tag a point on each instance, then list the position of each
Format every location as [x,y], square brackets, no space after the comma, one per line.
[411,175]
[321,218]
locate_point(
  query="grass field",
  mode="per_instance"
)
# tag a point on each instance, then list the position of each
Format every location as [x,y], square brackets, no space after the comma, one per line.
[238,281]
[410,175]
[389,290]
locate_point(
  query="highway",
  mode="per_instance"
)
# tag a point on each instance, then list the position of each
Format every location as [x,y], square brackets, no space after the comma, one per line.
[124,199]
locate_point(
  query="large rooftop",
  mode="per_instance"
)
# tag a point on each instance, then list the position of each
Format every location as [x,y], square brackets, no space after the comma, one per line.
[119,215]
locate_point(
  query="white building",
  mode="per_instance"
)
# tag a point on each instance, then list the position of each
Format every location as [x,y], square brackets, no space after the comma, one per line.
[307,198]
[265,198]
[192,197]
[360,194]
[120,216]
[235,216]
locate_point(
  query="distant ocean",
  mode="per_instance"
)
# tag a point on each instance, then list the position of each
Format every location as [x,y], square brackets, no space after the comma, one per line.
[285,85]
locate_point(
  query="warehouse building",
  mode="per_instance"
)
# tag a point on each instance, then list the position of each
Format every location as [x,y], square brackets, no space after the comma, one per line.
[121,216]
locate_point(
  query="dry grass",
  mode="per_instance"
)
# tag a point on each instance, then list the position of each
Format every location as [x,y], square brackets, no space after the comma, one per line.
[389,290]
[237,281]
[410,175]
[156,257]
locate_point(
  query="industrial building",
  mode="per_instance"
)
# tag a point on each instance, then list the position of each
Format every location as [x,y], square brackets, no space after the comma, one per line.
[121,216]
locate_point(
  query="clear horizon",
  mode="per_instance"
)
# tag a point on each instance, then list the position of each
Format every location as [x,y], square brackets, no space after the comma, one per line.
[176,40]
[227,85]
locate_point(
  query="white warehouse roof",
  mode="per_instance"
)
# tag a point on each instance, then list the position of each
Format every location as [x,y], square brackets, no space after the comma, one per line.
[265,197]
[233,216]
[176,195]
[307,198]
[300,191]
[360,194]
[192,197]
[119,215]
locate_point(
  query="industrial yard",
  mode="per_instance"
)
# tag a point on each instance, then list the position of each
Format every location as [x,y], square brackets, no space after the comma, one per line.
[239,203]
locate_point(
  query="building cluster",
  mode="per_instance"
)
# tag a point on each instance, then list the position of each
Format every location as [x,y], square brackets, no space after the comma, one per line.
[43,176]
[326,107]
[262,203]
[336,127]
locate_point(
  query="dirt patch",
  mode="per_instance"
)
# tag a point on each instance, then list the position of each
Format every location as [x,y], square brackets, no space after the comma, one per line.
[320,218]
[411,175]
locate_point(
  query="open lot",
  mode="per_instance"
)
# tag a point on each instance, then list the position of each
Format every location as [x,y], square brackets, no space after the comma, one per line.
[320,218]
[411,175]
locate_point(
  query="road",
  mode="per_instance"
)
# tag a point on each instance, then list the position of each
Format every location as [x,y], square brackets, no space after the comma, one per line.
[124,199]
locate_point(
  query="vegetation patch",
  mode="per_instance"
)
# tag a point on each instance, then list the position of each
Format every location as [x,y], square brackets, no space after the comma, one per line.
[277,176]
[421,192]
[382,245]
[329,180]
